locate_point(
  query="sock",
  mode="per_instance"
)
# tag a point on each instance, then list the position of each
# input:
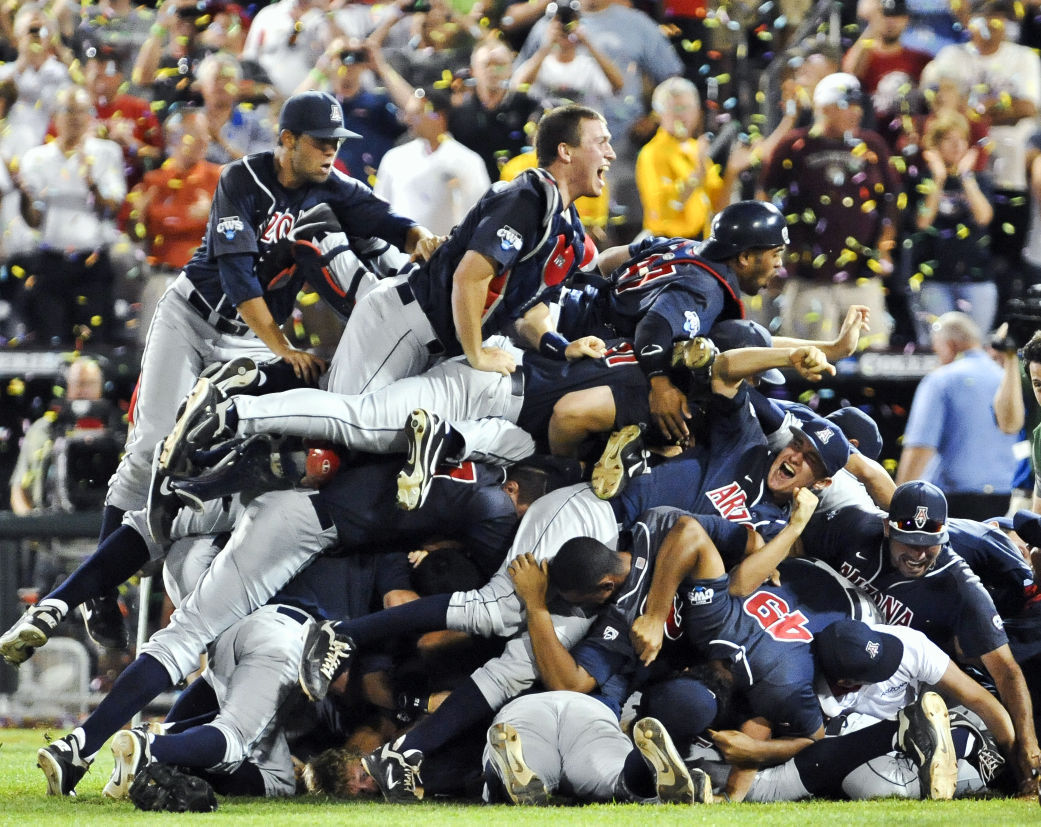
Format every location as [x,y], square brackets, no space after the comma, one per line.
[118,557]
[824,764]
[427,614]
[111,519]
[201,746]
[140,683]
[197,701]
[960,737]
[463,708]
[638,777]
[54,603]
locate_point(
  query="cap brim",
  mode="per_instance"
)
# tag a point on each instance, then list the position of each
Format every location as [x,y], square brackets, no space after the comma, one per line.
[1027,525]
[338,132]
[772,377]
[917,538]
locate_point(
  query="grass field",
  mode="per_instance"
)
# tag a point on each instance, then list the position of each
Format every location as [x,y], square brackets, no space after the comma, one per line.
[23,802]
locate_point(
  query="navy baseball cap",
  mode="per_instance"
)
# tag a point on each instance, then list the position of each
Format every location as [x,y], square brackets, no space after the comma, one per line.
[853,651]
[1027,525]
[734,333]
[856,424]
[918,514]
[828,441]
[317,114]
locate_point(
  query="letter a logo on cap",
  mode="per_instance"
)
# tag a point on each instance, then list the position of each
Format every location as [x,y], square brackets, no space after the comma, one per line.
[824,435]
[921,516]
[335,115]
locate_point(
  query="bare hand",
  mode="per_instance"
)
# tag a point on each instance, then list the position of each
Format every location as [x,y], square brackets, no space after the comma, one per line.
[418,556]
[857,322]
[737,748]
[530,580]
[811,363]
[495,360]
[425,246]
[306,366]
[804,503]
[591,347]
[646,636]
[669,409]
[967,164]
[937,167]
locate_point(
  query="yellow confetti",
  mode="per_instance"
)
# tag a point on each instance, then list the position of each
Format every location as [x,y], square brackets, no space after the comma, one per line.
[95,321]
[868,206]
[874,265]
[847,201]
[16,387]
[820,261]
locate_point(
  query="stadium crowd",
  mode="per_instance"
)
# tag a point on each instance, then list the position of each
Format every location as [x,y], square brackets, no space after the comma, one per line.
[479,490]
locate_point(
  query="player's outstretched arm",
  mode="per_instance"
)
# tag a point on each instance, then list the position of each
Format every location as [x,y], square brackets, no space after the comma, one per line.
[857,321]
[874,477]
[956,685]
[756,568]
[733,366]
[256,314]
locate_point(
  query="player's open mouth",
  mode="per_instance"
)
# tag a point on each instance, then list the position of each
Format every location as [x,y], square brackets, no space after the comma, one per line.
[602,172]
[786,471]
[915,566]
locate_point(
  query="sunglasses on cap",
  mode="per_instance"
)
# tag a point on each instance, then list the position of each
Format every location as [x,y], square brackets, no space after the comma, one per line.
[928,527]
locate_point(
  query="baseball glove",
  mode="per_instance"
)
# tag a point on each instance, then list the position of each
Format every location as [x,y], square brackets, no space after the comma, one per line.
[160,787]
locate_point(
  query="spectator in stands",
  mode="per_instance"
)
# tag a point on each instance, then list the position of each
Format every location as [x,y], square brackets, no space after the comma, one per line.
[568,66]
[372,114]
[169,59]
[493,120]
[287,38]
[432,179]
[424,40]
[120,25]
[952,439]
[951,251]
[236,130]
[680,185]
[1004,80]
[836,179]
[17,239]
[635,44]
[72,188]
[170,207]
[38,72]
[126,119]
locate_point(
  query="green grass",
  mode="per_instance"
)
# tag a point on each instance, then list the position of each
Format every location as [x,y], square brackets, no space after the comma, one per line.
[23,801]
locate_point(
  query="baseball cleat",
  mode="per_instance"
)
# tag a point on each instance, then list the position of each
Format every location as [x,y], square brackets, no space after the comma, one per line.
[103,619]
[427,435]
[131,754]
[518,780]
[981,749]
[253,464]
[240,375]
[327,655]
[161,506]
[675,784]
[33,630]
[924,735]
[203,422]
[623,458]
[696,354]
[62,765]
[396,773]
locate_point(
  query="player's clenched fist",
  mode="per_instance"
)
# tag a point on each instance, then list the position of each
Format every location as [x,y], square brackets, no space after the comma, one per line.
[530,580]
[804,503]
[811,363]
[646,635]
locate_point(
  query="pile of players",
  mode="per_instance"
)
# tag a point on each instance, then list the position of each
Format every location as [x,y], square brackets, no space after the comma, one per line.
[736,579]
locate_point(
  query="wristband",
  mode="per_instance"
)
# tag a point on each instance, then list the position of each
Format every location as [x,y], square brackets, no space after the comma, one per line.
[552,345]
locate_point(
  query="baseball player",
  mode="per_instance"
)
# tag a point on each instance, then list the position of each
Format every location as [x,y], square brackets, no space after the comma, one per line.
[239,286]
[905,563]
[259,557]
[500,264]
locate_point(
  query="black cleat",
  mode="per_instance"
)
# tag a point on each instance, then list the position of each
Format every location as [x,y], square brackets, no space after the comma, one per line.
[240,375]
[254,464]
[622,459]
[674,782]
[982,750]
[32,630]
[327,655]
[427,436]
[103,618]
[162,504]
[396,773]
[925,737]
[204,422]
[62,765]
[521,784]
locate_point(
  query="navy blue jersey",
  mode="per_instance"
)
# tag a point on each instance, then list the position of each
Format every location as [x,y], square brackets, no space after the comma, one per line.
[252,214]
[725,475]
[948,602]
[992,557]
[466,503]
[534,245]
[546,381]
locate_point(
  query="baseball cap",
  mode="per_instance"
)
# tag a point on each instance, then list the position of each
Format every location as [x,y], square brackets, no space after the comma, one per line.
[828,441]
[918,514]
[1027,525]
[894,8]
[317,114]
[851,650]
[840,88]
[856,424]
[731,334]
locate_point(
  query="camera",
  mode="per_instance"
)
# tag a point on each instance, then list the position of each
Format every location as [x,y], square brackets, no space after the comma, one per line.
[567,13]
[417,7]
[1024,319]
[349,57]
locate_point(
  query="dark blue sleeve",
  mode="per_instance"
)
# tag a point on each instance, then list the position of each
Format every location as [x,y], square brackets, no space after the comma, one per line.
[769,412]
[603,662]
[729,538]
[238,278]
[979,627]
[510,226]
[230,226]
[993,558]
[362,213]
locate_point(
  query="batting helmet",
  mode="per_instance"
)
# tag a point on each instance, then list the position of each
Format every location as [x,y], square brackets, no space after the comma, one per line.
[746,225]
